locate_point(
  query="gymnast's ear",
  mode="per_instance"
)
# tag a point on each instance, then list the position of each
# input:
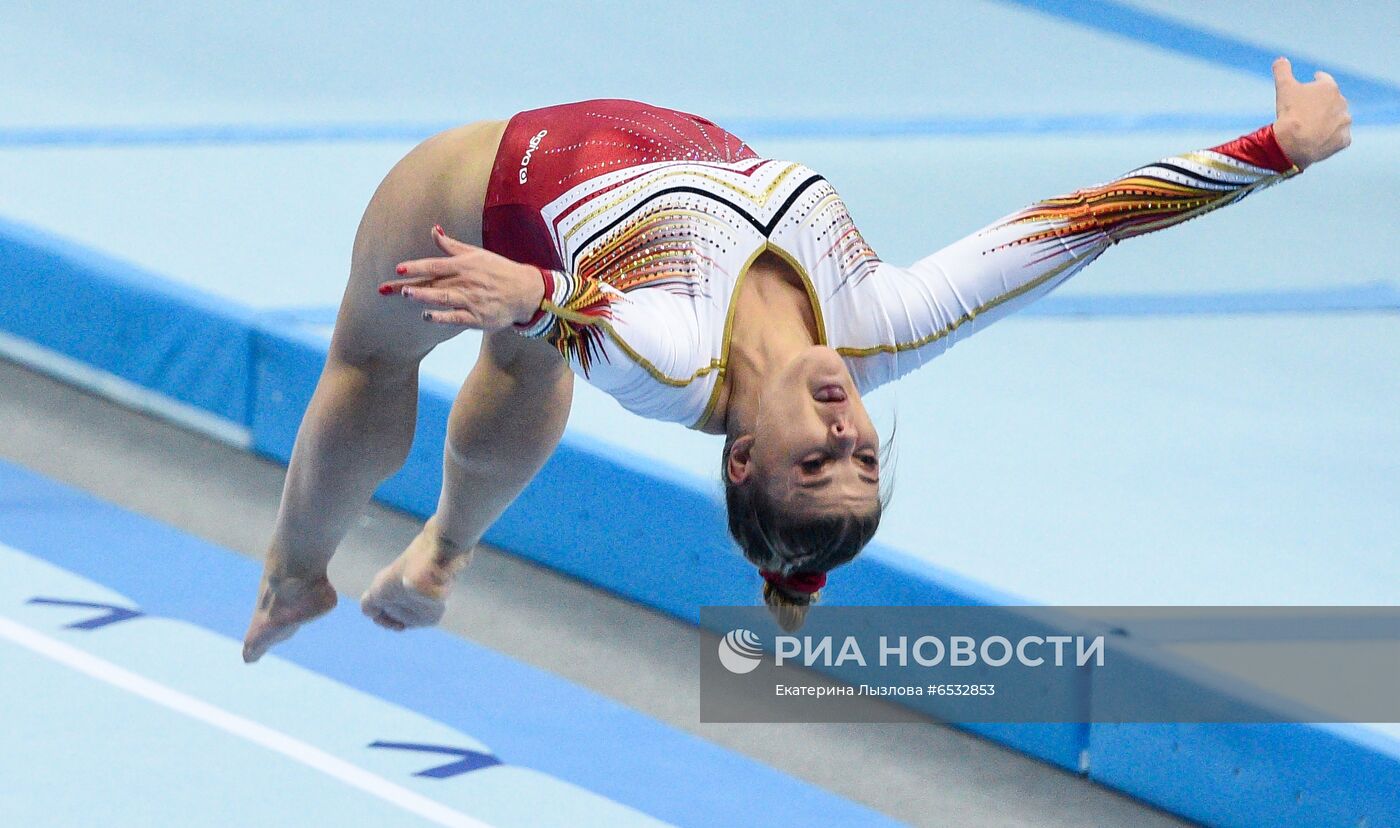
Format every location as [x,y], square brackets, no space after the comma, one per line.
[738,461]
[789,609]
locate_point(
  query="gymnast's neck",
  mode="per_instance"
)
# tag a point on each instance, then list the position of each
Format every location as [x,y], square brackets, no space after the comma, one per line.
[773,323]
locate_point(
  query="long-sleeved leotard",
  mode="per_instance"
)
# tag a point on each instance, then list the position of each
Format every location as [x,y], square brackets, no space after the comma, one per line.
[985,276]
[644,222]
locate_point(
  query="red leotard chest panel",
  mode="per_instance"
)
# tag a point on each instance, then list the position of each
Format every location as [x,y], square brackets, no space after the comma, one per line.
[545,152]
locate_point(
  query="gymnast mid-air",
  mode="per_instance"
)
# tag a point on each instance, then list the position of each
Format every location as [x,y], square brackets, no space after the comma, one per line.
[659,258]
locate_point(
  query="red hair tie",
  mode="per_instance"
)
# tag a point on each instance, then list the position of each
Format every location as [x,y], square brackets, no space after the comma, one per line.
[805,582]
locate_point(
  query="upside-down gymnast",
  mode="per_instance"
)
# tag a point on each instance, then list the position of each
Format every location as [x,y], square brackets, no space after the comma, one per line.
[656,256]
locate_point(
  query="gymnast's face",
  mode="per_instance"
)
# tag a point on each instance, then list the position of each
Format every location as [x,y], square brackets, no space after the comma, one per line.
[814,447]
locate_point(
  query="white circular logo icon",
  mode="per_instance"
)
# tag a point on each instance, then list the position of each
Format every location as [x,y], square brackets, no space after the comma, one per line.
[740,651]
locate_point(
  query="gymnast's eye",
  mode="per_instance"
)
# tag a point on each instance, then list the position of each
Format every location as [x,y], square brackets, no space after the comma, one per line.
[869,460]
[812,465]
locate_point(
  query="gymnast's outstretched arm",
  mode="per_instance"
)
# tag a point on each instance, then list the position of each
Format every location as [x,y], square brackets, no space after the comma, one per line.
[987,275]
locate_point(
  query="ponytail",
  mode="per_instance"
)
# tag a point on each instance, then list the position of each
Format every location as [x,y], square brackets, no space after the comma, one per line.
[790,597]
[789,610]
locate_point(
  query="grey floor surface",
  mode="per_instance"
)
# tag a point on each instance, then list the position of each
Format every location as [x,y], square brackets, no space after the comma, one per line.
[921,773]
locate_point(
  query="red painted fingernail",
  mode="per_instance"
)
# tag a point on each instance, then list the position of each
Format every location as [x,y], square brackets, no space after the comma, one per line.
[385,290]
[401,269]
[437,228]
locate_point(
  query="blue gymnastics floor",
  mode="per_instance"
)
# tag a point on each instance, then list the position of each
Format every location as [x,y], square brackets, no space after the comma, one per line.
[1204,416]
[126,701]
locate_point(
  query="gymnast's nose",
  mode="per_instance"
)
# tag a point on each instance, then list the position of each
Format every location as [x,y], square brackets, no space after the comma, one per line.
[842,435]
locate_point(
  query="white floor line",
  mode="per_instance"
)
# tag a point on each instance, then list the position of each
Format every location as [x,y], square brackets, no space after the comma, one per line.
[237,725]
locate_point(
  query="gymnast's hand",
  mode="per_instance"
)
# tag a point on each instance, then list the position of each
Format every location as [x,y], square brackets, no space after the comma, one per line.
[469,286]
[1313,122]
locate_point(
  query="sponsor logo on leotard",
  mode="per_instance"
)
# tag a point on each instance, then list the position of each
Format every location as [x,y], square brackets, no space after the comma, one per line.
[534,145]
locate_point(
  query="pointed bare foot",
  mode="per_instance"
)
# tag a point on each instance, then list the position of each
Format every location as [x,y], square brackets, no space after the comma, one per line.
[284,604]
[412,591]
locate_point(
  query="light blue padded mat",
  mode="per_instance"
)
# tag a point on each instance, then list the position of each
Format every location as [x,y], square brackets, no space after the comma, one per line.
[120,640]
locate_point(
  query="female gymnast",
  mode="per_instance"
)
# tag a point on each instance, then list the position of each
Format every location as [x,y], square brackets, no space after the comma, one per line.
[656,256]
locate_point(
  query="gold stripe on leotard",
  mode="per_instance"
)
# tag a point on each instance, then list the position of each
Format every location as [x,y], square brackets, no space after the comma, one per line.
[649,180]
[660,214]
[1207,158]
[727,336]
[967,317]
[621,273]
[723,362]
[806,285]
[607,328]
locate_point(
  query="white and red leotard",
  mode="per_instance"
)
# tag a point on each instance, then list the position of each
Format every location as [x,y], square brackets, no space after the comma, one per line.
[644,221]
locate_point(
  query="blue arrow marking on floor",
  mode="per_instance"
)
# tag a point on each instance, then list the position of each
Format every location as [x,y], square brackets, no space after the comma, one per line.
[114,613]
[470,760]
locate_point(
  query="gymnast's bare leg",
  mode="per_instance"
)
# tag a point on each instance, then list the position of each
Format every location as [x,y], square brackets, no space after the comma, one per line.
[359,426]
